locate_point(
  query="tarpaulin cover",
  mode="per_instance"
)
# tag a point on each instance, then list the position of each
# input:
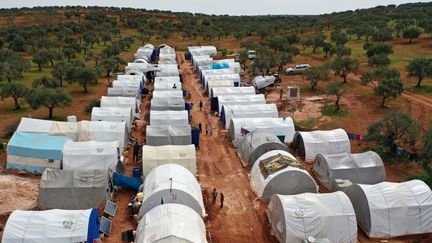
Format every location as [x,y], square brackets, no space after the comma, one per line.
[126,181]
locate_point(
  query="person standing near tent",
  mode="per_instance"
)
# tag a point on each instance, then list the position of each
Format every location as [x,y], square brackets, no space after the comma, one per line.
[214,195]
[136,149]
[221,199]
[201,105]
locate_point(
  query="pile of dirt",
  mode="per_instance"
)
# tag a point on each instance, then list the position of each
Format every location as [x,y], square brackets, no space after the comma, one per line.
[18,193]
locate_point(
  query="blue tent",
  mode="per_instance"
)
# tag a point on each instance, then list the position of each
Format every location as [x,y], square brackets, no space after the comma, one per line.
[35,151]
[220,65]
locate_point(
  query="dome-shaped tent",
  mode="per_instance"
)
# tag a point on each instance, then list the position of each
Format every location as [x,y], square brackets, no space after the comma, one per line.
[167,104]
[59,226]
[257,143]
[309,144]
[278,172]
[281,127]
[242,111]
[389,209]
[363,168]
[255,99]
[294,218]
[171,183]
[171,223]
[169,118]
[154,156]
[142,59]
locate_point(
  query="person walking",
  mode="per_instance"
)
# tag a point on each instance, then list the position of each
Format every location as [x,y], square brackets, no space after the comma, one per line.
[221,199]
[201,105]
[136,149]
[200,127]
[207,130]
[214,195]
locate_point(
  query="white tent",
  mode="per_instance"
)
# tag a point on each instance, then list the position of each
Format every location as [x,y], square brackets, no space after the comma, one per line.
[252,111]
[281,127]
[164,67]
[184,155]
[167,83]
[145,51]
[207,72]
[169,118]
[389,209]
[169,79]
[362,168]
[216,91]
[235,77]
[294,218]
[101,131]
[167,93]
[218,83]
[140,68]
[309,144]
[168,135]
[278,172]
[167,61]
[167,103]
[123,92]
[113,114]
[141,59]
[91,155]
[263,81]
[171,183]
[171,223]
[255,99]
[121,102]
[257,143]
[203,50]
[131,78]
[73,189]
[129,84]
[168,73]
[34,125]
[59,226]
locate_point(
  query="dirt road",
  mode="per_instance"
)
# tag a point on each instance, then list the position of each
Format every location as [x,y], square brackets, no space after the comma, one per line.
[242,219]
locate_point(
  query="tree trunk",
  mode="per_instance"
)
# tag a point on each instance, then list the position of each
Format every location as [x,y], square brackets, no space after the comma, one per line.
[61,82]
[410,40]
[40,67]
[345,78]
[85,88]
[69,58]
[337,104]
[419,81]
[50,112]
[383,101]
[313,50]
[17,106]
[52,63]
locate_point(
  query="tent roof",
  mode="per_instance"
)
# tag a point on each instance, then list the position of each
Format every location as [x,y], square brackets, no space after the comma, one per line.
[216,91]
[153,156]
[91,155]
[34,125]
[36,145]
[167,93]
[171,221]
[173,118]
[278,126]
[162,131]
[352,161]
[60,226]
[74,179]
[172,176]
[170,79]
[240,99]
[325,142]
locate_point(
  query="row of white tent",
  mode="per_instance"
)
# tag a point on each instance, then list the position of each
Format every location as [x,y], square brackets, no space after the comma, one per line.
[172,207]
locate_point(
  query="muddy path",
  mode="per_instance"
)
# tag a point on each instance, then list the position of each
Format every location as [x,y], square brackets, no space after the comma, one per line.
[243,218]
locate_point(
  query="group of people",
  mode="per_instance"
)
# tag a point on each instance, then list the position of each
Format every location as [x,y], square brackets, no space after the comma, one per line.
[214,197]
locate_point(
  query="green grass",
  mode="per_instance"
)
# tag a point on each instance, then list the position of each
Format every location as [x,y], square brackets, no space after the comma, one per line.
[308,124]
[422,89]
[329,110]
